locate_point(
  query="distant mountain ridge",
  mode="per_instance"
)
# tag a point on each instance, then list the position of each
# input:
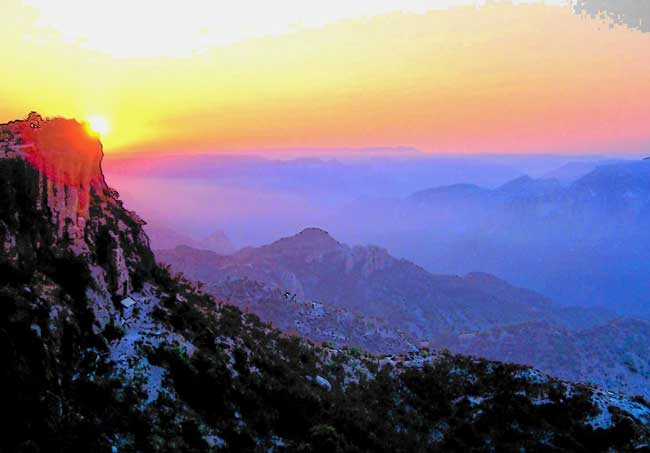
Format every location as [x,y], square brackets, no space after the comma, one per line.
[616,177]
[478,314]
[571,171]
[162,237]
[584,243]
[369,281]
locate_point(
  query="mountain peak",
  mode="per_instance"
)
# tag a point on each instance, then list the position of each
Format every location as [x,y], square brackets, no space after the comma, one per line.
[314,233]
[525,186]
[309,241]
[315,237]
[219,242]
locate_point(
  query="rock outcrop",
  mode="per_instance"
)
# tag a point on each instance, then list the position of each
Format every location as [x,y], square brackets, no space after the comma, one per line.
[58,164]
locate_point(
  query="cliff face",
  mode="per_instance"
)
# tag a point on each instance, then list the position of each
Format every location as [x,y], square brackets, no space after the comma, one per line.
[52,171]
[64,152]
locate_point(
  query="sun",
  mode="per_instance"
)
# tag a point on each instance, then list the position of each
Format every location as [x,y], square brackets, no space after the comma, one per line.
[98,124]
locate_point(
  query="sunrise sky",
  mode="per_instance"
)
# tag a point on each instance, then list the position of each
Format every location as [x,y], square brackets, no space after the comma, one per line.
[442,76]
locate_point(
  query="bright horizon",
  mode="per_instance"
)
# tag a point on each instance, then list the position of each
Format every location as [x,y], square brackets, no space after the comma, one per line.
[439,76]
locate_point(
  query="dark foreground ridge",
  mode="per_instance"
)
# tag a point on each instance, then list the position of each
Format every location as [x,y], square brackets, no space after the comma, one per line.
[102,349]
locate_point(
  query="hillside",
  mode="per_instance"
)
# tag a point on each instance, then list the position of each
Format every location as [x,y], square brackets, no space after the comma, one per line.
[103,350]
[484,316]
[614,355]
[319,322]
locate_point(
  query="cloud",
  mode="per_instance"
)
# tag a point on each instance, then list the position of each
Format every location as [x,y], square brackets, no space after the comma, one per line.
[151,28]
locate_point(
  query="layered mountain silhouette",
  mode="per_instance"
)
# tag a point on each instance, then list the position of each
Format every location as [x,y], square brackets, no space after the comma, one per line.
[102,349]
[583,243]
[162,237]
[623,185]
[369,281]
[312,276]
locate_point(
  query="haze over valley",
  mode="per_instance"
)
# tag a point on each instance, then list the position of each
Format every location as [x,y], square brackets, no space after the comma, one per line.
[571,228]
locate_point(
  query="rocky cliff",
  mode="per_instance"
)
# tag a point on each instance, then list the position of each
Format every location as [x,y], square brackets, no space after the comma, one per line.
[54,194]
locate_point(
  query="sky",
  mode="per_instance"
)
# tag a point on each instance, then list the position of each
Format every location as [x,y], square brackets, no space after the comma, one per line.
[444,76]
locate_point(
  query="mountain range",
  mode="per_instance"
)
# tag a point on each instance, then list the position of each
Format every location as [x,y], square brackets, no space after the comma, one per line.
[102,349]
[368,280]
[584,243]
[392,305]
[619,189]
[577,234]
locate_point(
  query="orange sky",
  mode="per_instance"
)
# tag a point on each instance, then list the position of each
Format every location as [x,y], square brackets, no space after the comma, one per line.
[499,78]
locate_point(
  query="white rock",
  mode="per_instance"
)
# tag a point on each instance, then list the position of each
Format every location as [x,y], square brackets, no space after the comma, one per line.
[324,383]
[128,302]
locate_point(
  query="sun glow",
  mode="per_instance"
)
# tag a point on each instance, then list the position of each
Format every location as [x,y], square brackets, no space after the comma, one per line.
[98,125]
[507,76]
